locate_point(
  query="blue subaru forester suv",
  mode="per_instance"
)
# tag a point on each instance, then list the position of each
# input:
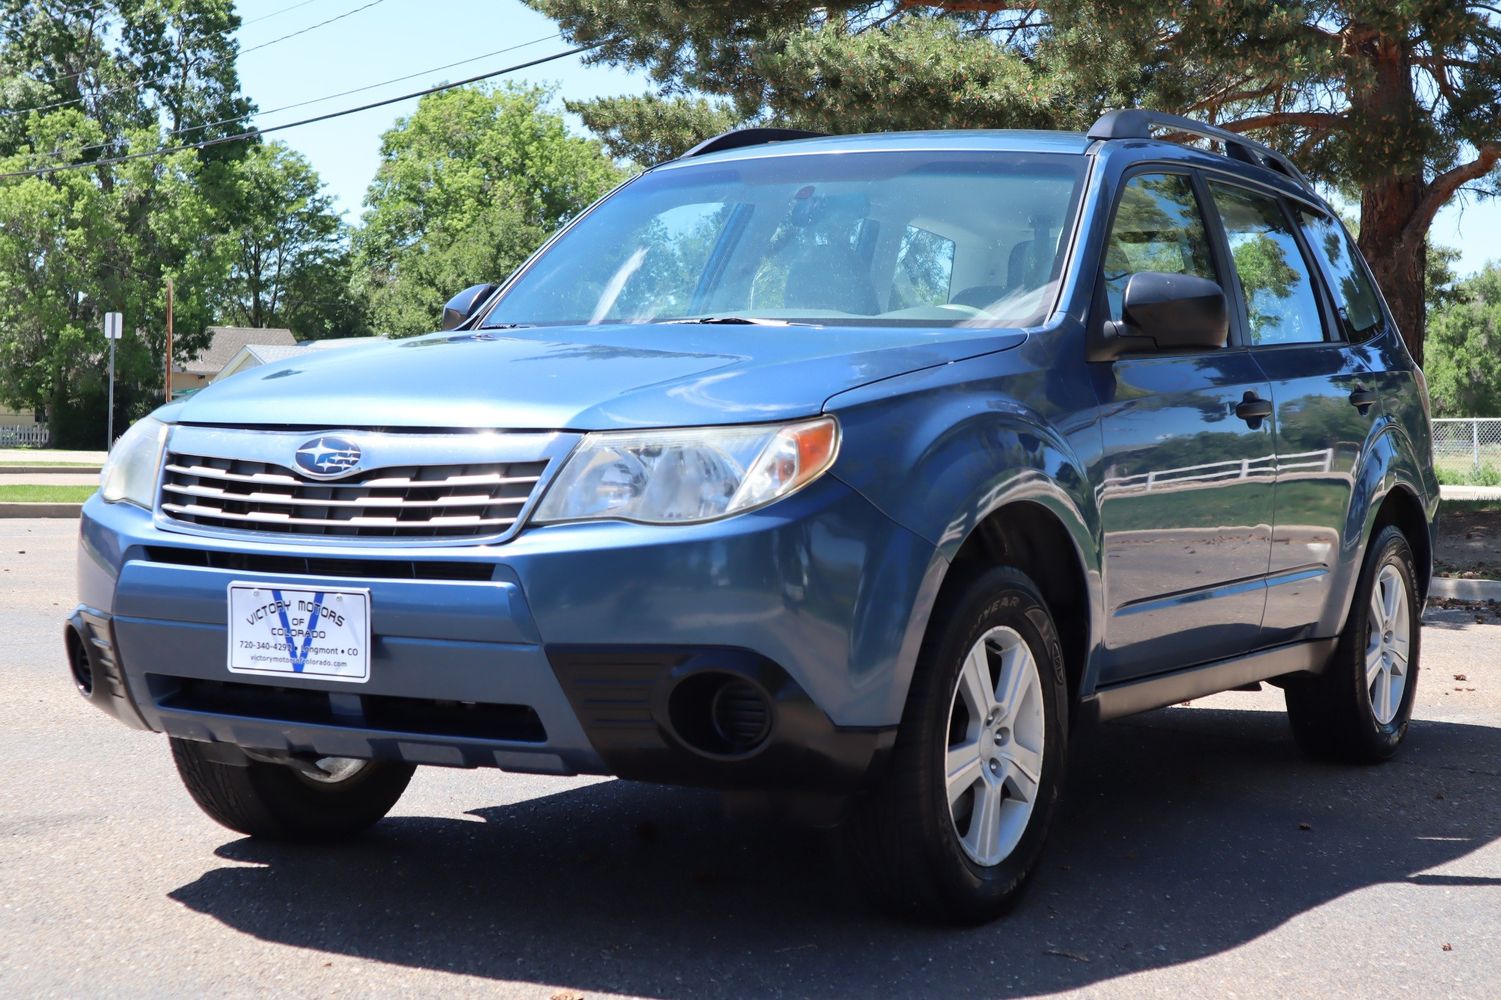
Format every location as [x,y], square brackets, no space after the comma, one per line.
[854,472]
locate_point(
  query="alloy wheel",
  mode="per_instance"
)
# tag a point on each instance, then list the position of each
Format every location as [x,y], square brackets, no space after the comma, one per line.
[1389,643]
[996,736]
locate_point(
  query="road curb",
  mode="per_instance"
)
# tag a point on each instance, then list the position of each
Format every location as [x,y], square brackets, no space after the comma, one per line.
[1469,492]
[20,509]
[49,470]
[1465,590]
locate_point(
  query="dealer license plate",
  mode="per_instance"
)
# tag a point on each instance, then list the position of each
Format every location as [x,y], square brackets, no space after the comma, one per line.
[307,633]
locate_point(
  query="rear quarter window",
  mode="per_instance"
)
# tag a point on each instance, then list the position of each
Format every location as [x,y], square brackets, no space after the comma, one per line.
[1349,282]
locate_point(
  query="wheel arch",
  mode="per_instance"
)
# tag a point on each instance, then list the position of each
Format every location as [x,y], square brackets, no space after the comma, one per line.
[1388,490]
[1032,537]
[1401,507]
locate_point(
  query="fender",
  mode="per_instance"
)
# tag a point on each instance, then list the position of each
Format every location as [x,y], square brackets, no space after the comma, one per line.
[973,437]
[1387,463]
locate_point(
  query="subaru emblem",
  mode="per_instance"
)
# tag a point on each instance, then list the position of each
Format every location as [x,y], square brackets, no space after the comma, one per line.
[328,457]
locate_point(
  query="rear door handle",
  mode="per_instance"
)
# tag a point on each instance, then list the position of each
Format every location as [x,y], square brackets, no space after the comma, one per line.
[1253,409]
[1363,399]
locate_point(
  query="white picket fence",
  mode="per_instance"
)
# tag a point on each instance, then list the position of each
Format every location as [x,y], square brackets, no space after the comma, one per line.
[32,435]
[1302,464]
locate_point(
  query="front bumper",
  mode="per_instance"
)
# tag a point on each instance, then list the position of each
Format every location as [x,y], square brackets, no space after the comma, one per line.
[558,652]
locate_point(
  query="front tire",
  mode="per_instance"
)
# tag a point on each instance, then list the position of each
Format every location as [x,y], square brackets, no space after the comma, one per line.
[1359,708]
[278,802]
[958,823]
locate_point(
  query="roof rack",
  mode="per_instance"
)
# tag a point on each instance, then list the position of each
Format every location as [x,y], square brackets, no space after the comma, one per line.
[741,137]
[1137,123]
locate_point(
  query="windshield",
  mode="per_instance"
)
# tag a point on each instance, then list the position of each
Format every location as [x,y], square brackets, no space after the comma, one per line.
[873,238]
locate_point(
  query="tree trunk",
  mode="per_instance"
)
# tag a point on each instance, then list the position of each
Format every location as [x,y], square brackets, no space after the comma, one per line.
[1397,254]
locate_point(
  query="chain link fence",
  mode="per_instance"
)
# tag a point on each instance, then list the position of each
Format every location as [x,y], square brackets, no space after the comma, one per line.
[1468,448]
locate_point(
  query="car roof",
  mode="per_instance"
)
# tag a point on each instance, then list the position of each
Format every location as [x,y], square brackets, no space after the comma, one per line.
[995,141]
[962,140]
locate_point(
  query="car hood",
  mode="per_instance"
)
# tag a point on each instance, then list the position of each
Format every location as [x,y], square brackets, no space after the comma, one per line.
[582,378]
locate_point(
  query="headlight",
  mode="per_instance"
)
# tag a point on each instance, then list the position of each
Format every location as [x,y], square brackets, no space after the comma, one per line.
[129,472]
[678,476]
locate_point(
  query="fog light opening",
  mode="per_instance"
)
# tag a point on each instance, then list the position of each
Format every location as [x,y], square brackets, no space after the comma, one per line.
[720,714]
[740,715]
[78,662]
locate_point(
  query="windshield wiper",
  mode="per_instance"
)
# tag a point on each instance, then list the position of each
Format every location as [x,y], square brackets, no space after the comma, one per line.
[736,321]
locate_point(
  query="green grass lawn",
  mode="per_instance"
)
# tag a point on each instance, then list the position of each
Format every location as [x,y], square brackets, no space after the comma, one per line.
[42,493]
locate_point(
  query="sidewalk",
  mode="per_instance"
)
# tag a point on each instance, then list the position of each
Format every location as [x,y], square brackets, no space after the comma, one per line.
[49,456]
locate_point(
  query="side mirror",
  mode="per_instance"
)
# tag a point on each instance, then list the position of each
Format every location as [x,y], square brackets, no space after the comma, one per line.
[1169,312]
[463,305]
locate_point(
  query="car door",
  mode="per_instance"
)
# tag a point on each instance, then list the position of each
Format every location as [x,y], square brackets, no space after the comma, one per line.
[1325,388]
[1188,465]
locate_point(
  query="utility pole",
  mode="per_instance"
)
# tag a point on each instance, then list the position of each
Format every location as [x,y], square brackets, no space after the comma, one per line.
[167,391]
[113,328]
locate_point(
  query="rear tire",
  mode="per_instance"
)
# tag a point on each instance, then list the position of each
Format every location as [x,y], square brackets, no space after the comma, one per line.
[278,802]
[959,820]
[1358,709]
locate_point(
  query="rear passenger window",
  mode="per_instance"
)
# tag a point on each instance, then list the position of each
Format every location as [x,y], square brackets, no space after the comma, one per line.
[1281,307]
[1349,282]
[1157,227]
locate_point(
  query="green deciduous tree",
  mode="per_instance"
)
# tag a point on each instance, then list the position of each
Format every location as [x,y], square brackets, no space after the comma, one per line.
[1464,349]
[1396,104]
[288,249]
[468,185]
[243,229]
[79,84]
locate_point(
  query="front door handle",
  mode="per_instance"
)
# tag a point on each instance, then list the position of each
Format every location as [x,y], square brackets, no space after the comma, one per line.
[1363,399]
[1253,409]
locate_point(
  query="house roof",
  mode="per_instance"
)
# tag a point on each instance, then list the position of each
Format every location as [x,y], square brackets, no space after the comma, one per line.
[251,355]
[227,341]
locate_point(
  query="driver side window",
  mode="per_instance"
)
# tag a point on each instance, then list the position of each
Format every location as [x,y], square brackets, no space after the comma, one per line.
[1158,226]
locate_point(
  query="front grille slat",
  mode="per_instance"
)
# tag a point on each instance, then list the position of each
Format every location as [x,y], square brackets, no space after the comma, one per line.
[409,501]
[389,482]
[293,500]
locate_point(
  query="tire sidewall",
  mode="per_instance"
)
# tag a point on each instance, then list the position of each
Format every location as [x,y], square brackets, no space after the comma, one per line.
[998,598]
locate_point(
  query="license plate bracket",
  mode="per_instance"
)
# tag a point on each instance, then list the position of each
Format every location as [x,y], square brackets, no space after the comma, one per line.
[292,632]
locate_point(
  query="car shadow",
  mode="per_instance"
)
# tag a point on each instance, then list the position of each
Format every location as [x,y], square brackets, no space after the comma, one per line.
[1186,832]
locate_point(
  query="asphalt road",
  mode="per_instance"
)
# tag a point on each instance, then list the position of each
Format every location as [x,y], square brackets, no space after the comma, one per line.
[1198,856]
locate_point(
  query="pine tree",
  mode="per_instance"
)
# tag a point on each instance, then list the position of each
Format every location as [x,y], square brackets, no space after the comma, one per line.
[1396,106]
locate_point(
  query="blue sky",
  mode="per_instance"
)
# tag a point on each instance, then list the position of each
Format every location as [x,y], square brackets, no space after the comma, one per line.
[397,37]
[393,38]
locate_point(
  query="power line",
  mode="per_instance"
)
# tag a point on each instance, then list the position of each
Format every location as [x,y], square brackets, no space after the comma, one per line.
[313,27]
[11,112]
[252,133]
[274,13]
[78,150]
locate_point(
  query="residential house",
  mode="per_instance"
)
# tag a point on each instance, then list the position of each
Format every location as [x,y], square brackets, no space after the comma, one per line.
[226,342]
[254,355]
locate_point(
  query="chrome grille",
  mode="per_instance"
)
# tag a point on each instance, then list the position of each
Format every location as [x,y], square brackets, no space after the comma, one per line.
[411,501]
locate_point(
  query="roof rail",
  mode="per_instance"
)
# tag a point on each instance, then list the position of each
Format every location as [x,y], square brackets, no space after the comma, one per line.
[1137,123]
[740,137]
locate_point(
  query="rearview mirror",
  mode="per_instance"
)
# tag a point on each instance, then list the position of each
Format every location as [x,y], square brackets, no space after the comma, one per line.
[1169,312]
[464,304]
